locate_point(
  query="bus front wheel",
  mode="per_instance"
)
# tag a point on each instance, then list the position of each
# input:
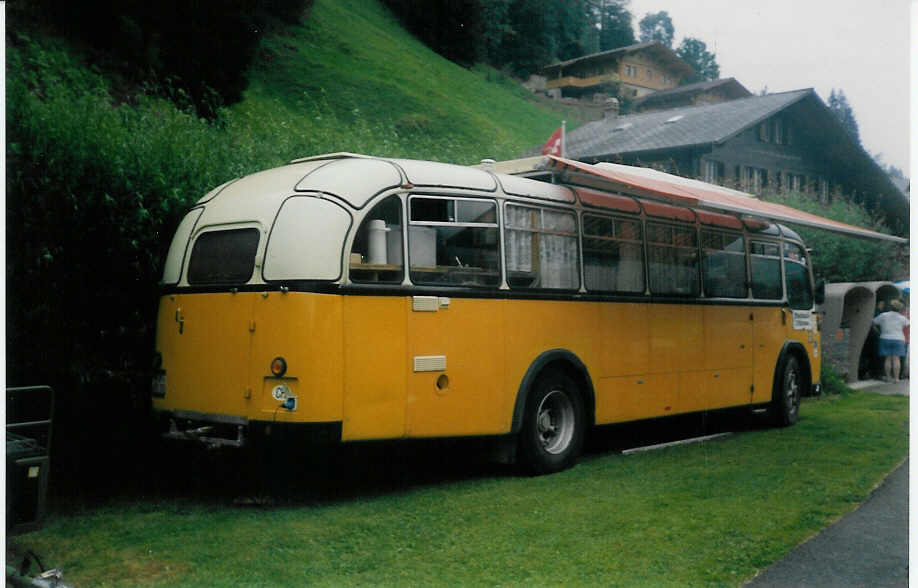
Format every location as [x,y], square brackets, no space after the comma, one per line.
[786,402]
[553,425]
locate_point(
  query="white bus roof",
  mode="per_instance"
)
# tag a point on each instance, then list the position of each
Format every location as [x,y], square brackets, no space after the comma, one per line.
[694,193]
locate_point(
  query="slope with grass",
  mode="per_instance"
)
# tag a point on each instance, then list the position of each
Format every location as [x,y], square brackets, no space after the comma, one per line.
[351,78]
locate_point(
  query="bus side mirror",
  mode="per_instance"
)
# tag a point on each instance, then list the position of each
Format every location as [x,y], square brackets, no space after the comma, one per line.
[820,292]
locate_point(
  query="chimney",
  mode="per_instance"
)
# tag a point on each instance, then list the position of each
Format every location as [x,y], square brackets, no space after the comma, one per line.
[610,109]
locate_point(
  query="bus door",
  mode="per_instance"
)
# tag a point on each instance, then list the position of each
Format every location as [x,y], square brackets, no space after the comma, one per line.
[728,355]
[801,318]
[374,329]
[303,331]
[728,322]
[770,317]
[454,344]
[206,345]
[205,338]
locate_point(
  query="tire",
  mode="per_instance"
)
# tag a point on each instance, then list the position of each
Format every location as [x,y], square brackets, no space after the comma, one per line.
[553,425]
[785,409]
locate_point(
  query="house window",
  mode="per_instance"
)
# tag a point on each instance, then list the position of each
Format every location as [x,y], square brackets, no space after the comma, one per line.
[765,132]
[713,172]
[754,179]
[649,74]
[779,131]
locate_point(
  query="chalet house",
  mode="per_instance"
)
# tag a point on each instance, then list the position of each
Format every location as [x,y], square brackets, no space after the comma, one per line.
[627,72]
[775,142]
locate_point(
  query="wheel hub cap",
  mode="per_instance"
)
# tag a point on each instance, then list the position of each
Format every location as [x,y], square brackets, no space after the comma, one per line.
[555,421]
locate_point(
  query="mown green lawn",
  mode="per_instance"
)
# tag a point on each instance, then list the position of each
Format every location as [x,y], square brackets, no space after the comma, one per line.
[694,515]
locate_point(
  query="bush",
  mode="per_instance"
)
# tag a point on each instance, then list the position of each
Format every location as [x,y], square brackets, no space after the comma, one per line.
[202,48]
[842,258]
[832,381]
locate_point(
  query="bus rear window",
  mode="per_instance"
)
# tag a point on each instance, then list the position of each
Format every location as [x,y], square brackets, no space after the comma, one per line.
[223,257]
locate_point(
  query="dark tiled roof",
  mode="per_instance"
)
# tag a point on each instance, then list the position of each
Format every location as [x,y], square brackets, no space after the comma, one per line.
[607,53]
[696,88]
[675,127]
[660,51]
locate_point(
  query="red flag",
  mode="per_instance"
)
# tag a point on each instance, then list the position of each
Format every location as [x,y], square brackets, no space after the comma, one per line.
[553,146]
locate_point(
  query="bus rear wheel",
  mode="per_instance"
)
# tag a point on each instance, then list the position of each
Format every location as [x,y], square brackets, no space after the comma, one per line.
[553,425]
[785,407]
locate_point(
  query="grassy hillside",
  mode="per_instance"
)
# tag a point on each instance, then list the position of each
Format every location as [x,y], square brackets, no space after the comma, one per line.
[352,79]
[99,173]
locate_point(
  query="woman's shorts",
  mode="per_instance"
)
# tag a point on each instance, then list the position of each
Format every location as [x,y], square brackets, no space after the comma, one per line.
[888,347]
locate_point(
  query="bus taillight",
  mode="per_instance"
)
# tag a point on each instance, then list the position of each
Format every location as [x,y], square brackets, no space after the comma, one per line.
[278,366]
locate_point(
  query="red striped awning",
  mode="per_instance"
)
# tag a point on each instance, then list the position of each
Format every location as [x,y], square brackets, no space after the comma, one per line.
[643,181]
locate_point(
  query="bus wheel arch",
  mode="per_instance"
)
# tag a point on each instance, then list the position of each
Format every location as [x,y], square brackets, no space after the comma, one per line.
[554,407]
[793,378]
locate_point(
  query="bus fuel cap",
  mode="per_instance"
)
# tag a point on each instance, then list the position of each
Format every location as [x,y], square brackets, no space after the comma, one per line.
[280,392]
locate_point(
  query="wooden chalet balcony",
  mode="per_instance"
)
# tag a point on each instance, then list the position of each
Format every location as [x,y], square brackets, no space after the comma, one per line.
[575,82]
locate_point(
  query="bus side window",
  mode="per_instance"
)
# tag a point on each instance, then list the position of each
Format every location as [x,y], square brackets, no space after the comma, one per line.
[613,255]
[765,262]
[724,264]
[453,241]
[376,255]
[541,248]
[672,255]
[799,289]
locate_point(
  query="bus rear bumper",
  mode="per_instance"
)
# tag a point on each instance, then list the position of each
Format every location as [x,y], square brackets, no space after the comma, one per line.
[210,430]
[217,430]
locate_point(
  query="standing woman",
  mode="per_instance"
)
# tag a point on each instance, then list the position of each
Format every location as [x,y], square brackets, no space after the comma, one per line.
[891,345]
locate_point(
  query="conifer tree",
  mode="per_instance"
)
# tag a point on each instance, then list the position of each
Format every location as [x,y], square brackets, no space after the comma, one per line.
[838,104]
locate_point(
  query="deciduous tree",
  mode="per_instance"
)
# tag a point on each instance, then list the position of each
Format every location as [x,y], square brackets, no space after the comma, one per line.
[657,26]
[614,20]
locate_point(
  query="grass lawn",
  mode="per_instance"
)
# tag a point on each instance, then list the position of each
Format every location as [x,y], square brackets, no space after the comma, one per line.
[695,515]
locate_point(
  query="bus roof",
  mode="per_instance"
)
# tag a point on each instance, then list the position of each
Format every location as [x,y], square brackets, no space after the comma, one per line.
[655,184]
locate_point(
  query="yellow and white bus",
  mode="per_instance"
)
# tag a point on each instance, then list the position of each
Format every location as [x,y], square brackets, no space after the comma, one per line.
[343,298]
